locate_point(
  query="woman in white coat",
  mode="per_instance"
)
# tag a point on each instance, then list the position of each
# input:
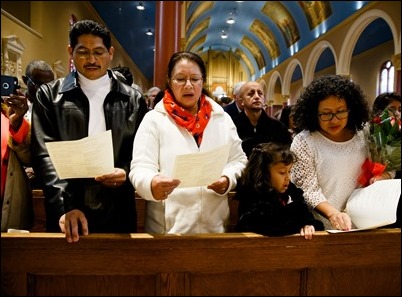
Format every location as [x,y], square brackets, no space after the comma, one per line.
[186,121]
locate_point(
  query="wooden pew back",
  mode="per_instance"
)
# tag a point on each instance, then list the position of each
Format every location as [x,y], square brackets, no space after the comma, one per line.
[358,263]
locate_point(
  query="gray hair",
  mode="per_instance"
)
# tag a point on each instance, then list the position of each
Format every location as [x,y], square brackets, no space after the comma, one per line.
[237,87]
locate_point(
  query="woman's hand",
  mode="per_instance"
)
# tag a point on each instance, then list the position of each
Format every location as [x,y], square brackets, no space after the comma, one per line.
[162,186]
[220,186]
[17,108]
[340,221]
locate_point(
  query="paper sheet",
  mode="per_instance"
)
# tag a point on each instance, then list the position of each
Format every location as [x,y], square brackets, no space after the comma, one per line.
[200,169]
[373,206]
[83,158]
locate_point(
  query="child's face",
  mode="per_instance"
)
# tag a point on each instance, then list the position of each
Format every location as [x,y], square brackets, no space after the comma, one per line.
[280,176]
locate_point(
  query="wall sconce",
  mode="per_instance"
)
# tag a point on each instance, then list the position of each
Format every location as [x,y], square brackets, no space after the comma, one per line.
[230,20]
[140,6]
[149,32]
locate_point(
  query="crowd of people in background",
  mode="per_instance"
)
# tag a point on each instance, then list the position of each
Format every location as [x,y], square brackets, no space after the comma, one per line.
[291,174]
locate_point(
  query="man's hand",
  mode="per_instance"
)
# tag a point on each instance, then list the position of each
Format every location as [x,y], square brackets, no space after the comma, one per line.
[70,223]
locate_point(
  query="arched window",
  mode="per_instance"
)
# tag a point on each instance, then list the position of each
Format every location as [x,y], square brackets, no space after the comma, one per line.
[386,78]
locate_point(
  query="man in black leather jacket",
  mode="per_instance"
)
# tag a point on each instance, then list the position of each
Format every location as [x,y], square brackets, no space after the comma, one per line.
[88,101]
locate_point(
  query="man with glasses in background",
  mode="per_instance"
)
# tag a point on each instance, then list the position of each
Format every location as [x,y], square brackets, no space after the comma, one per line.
[37,73]
[88,101]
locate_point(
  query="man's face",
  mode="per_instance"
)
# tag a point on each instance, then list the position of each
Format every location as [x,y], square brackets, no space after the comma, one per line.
[252,96]
[37,78]
[91,57]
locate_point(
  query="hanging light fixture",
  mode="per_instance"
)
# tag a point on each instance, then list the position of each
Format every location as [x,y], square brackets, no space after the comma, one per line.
[140,6]
[149,32]
[230,20]
[224,35]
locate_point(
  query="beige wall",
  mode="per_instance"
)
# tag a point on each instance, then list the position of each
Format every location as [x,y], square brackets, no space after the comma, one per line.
[47,39]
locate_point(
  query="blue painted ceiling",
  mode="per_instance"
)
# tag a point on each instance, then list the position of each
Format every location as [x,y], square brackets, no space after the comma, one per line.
[254,19]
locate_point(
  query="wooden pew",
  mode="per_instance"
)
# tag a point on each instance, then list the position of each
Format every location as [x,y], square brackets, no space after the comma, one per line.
[366,263]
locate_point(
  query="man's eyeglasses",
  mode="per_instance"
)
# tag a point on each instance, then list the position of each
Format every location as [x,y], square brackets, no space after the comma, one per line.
[181,81]
[97,53]
[340,115]
[32,82]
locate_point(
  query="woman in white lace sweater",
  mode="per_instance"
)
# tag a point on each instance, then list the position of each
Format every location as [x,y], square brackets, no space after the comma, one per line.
[331,147]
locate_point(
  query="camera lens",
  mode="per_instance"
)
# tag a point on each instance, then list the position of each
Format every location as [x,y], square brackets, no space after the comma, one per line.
[6,86]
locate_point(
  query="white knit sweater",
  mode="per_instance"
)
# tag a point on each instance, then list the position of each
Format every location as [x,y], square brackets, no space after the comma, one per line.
[327,170]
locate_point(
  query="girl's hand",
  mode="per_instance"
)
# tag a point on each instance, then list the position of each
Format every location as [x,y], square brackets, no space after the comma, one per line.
[307,231]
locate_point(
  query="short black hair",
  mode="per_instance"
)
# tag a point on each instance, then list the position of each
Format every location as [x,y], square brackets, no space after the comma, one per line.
[89,27]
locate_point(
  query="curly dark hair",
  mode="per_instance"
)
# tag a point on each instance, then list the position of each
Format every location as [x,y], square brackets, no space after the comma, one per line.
[306,109]
[256,175]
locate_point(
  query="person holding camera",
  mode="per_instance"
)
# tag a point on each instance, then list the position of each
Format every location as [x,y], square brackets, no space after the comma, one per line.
[16,195]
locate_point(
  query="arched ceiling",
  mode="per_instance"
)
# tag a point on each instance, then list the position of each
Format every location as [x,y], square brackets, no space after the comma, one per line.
[265,33]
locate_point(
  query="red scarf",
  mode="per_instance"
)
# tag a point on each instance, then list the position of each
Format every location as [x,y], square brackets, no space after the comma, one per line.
[195,124]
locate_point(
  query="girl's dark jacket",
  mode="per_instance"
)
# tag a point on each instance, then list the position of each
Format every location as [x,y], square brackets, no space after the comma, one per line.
[60,113]
[264,213]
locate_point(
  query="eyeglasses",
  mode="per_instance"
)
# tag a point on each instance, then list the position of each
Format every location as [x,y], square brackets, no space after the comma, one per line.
[32,82]
[340,115]
[394,109]
[181,81]
[85,53]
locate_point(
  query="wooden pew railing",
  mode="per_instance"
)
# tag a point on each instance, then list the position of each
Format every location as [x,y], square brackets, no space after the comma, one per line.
[366,263]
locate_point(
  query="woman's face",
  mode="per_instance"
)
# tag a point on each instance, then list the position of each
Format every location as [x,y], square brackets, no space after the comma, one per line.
[332,117]
[186,83]
[394,108]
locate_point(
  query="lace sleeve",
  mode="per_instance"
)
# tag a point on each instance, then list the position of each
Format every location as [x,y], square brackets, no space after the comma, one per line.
[304,171]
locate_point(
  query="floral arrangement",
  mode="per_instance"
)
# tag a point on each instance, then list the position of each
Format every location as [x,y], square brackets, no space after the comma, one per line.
[384,141]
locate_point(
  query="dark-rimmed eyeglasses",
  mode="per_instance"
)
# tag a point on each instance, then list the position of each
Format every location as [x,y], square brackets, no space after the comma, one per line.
[32,82]
[340,115]
[394,109]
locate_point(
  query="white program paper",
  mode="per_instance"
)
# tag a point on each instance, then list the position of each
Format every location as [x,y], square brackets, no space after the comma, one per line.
[84,158]
[373,206]
[200,169]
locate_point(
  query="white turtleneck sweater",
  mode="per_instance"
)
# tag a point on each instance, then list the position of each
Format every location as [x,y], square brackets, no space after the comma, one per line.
[96,91]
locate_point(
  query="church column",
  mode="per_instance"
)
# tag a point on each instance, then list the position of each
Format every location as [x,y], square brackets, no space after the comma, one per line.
[396,61]
[167,37]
